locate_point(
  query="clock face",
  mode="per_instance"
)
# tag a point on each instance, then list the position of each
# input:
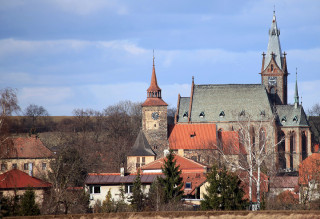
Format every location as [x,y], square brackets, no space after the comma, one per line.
[272,81]
[155,115]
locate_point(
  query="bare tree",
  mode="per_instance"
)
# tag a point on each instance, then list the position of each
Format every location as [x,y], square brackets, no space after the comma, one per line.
[35,111]
[254,146]
[315,110]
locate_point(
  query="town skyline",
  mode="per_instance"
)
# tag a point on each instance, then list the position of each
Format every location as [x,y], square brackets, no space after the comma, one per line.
[65,55]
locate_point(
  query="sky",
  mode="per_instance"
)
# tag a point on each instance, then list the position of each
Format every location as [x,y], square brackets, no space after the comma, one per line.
[89,54]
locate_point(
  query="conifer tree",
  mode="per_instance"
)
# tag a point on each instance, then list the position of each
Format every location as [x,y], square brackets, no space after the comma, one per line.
[28,204]
[224,191]
[172,182]
[137,197]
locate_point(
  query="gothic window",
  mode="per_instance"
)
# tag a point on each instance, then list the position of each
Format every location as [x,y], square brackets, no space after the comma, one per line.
[304,145]
[292,147]
[281,151]
[271,67]
[262,138]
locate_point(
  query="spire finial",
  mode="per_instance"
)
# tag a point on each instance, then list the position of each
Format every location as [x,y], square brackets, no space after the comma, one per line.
[296,95]
[153,57]
[274,9]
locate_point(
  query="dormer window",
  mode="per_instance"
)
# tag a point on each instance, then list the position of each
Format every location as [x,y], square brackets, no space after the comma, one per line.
[284,119]
[188,185]
[262,113]
[185,114]
[201,115]
[192,134]
[295,119]
[242,113]
[221,114]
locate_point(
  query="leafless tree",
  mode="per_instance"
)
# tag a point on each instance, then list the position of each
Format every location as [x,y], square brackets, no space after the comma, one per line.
[315,110]
[34,111]
[254,146]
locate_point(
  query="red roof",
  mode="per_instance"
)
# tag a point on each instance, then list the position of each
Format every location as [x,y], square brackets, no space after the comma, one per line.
[192,136]
[18,179]
[154,84]
[230,143]
[186,165]
[30,147]
[309,169]
[196,180]
[154,101]
[244,177]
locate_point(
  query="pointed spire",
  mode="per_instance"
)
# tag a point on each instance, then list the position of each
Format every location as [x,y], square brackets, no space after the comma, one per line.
[274,44]
[154,84]
[296,95]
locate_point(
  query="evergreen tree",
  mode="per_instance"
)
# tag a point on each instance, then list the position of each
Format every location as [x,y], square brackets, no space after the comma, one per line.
[108,203]
[172,182]
[28,204]
[224,191]
[137,197]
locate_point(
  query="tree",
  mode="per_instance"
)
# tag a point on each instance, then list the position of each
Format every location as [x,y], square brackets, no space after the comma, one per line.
[28,204]
[224,191]
[172,182]
[8,101]
[137,198]
[255,146]
[34,112]
[315,110]
[155,196]
[108,203]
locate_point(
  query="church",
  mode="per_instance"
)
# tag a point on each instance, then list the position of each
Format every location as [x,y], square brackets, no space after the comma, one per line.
[225,120]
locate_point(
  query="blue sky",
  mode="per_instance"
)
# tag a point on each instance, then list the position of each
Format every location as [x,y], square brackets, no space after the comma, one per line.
[68,54]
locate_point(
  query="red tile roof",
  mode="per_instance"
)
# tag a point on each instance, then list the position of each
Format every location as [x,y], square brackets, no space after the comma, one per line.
[244,177]
[230,143]
[30,147]
[192,136]
[154,101]
[196,180]
[154,84]
[186,165]
[309,169]
[18,179]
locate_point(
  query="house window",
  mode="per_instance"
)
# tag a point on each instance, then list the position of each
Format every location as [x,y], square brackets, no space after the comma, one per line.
[143,161]
[94,189]
[14,166]
[4,167]
[44,166]
[26,166]
[188,185]
[128,189]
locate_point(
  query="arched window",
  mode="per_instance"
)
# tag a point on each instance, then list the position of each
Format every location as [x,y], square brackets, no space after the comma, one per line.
[271,67]
[304,145]
[262,139]
[292,147]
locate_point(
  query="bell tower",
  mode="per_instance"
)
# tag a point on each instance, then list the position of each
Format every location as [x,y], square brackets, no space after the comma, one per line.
[274,71]
[154,117]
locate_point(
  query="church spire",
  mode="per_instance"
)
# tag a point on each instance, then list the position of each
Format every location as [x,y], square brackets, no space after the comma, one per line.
[154,90]
[296,95]
[274,48]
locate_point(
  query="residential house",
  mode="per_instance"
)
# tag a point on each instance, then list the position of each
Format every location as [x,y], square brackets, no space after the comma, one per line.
[16,182]
[27,154]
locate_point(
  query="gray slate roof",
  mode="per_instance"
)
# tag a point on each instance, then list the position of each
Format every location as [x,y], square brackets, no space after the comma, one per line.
[184,108]
[274,45]
[141,147]
[231,99]
[112,179]
[288,115]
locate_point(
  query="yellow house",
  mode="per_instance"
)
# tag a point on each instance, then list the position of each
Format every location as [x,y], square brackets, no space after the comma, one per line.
[27,154]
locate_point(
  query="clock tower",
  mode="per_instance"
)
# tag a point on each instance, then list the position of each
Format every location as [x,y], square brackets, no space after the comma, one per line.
[154,117]
[274,71]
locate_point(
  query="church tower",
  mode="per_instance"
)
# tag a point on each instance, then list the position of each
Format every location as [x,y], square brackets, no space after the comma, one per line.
[274,71]
[154,117]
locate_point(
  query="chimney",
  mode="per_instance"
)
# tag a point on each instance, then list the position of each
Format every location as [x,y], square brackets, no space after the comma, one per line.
[122,171]
[165,152]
